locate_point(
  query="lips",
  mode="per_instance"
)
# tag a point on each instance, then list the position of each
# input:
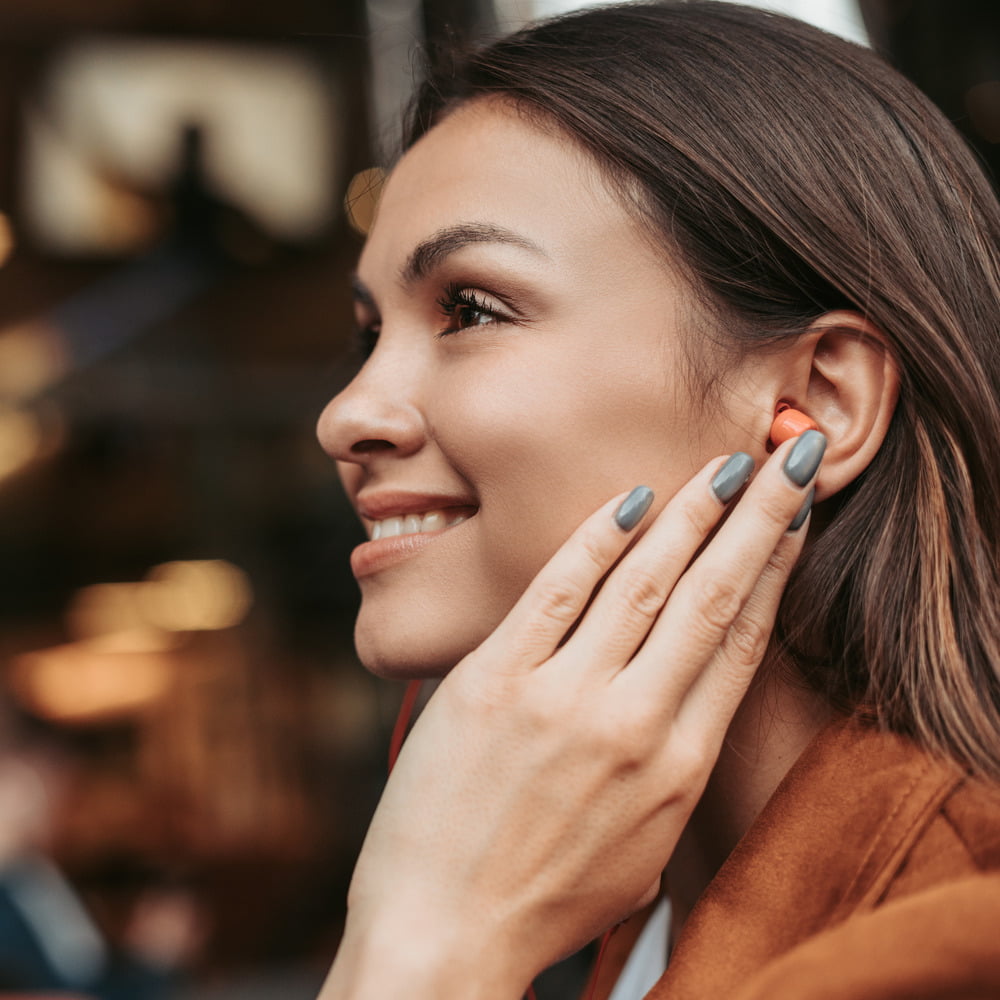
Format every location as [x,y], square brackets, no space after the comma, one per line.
[400,525]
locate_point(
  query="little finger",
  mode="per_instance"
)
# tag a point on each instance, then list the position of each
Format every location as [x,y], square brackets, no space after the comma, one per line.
[712,700]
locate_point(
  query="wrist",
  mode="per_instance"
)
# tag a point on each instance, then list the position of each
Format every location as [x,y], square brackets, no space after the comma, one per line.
[419,959]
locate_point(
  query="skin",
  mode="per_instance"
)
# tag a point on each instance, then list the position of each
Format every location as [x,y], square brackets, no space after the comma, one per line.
[565,383]
[575,388]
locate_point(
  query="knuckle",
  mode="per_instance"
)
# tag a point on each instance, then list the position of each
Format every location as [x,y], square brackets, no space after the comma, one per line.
[688,765]
[626,735]
[560,601]
[718,602]
[781,561]
[542,715]
[748,639]
[534,642]
[481,694]
[643,594]
[632,750]
[561,597]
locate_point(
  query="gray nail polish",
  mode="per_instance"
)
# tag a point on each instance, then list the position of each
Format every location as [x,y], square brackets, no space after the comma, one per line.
[804,458]
[633,507]
[732,477]
[803,513]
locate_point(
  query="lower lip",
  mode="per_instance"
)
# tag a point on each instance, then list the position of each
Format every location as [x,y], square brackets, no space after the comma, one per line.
[372,557]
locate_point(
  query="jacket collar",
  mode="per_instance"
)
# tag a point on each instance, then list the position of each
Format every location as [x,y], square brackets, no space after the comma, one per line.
[827,844]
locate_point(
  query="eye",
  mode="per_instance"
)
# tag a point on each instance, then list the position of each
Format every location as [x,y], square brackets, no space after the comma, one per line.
[367,321]
[366,337]
[464,309]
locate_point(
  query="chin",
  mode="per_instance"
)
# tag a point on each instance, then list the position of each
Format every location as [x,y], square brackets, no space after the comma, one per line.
[394,655]
[423,630]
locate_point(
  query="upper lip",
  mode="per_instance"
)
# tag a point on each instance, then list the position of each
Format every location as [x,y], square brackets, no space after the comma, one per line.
[377,506]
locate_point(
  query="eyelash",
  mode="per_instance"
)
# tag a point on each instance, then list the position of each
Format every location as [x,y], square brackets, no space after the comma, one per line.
[456,298]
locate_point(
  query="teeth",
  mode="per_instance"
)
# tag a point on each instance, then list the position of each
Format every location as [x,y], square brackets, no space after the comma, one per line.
[413,524]
[392,526]
[434,521]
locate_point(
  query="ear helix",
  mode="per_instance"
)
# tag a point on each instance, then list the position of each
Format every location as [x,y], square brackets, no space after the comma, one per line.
[789,423]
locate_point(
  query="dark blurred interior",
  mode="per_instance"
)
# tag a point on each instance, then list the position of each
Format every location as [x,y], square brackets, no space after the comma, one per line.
[180,695]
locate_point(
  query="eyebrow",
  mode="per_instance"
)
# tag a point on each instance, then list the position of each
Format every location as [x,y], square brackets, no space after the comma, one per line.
[429,253]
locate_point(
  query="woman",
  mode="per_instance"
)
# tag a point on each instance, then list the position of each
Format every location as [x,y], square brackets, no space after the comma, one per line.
[618,245]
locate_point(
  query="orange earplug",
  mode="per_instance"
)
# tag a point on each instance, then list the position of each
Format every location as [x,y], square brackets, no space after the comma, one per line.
[790,423]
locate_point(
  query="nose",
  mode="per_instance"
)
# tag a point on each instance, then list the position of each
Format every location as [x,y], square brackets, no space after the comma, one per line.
[377,413]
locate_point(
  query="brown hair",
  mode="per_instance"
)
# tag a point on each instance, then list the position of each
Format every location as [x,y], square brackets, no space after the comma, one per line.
[794,173]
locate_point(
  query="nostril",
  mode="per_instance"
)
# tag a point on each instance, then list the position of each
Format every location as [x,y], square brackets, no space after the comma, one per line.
[368,420]
[370,445]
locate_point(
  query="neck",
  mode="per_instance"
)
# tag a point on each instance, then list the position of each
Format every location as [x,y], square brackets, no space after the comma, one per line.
[774,724]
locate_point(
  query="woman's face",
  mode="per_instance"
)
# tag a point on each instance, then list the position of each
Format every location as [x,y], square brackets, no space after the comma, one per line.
[528,363]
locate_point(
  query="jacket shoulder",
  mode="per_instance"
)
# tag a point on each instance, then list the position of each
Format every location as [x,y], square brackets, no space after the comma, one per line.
[931,936]
[936,944]
[960,839]
[973,813]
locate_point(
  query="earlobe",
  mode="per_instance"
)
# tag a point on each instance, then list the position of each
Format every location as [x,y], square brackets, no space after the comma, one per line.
[850,393]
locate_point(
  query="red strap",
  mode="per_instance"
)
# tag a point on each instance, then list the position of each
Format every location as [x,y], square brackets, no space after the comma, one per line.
[403,721]
[595,972]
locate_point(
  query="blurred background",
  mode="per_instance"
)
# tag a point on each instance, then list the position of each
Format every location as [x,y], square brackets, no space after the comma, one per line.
[189,752]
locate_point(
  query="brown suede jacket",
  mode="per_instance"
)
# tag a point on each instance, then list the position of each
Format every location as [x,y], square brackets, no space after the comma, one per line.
[872,873]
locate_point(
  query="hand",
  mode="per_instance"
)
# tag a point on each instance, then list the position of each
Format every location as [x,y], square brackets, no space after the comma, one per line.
[545,785]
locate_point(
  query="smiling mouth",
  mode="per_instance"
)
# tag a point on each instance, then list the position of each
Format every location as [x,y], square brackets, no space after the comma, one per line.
[429,522]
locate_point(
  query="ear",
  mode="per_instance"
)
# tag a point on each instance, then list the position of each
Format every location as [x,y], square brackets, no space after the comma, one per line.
[842,375]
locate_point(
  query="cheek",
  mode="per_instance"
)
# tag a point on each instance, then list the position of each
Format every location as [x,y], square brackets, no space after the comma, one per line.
[541,431]
[544,452]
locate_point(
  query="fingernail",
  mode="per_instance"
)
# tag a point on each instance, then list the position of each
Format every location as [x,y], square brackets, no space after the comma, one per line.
[803,513]
[633,507]
[732,477]
[804,458]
